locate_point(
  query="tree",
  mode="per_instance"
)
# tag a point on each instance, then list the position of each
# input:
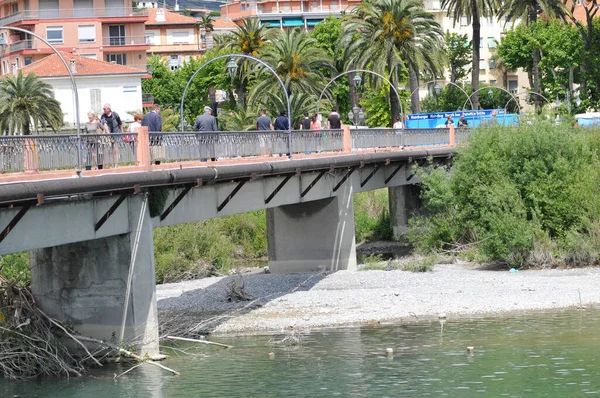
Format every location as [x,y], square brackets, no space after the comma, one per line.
[459,55]
[389,36]
[249,38]
[27,103]
[472,10]
[293,56]
[528,11]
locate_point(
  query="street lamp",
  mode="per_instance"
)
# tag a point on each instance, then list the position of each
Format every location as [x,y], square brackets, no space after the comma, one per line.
[490,93]
[357,81]
[357,115]
[232,68]
[437,88]
[578,101]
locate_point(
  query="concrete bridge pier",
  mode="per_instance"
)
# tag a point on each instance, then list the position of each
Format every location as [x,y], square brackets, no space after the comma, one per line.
[84,284]
[404,201]
[313,236]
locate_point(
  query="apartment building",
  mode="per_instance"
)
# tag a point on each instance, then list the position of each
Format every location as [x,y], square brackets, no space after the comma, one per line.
[492,30]
[109,30]
[283,14]
[174,37]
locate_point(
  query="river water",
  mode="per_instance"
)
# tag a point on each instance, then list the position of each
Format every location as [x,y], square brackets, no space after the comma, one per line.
[551,354]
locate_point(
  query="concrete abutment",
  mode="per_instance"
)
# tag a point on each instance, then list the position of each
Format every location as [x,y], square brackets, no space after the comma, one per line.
[404,201]
[84,284]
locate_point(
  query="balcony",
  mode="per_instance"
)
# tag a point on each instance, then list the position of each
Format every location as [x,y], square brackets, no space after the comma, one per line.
[31,15]
[298,11]
[124,41]
[21,45]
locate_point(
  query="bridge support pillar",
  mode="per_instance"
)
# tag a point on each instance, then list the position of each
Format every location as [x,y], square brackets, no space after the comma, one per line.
[404,201]
[313,236]
[85,284]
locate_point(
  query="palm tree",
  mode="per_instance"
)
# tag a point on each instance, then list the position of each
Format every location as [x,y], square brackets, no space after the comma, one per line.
[27,103]
[206,23]
[473,11]
[239,120]
[296,60]
[389,36]
[528,11]
[249,39]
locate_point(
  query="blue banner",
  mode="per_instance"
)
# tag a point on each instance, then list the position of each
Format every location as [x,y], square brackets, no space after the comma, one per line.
[456,114]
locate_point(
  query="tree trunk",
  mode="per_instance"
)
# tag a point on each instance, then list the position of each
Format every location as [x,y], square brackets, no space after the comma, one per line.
[241,94]
[476,43]
[415,105]
[535,69]
[394,100]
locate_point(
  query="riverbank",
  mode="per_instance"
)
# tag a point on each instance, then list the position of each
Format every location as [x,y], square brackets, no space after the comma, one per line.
[283,302]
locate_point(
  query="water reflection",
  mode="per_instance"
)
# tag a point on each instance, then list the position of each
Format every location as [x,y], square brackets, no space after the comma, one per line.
[522,356]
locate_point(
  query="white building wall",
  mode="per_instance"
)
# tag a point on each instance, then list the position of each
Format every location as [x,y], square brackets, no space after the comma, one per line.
[123,93]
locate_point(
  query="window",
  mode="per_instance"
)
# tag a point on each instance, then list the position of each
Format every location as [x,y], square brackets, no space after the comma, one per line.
[95,100]
[490,21]
[181,37]
[27,61]
[491,42]
[120,59]
[492,82]
[87,33]
[149,37]
[481,42]
[492,64]
[286,7]
[54,34]
[463,21]
[14,8]
[116,35]
[513,86]
[90,56]
[481,63]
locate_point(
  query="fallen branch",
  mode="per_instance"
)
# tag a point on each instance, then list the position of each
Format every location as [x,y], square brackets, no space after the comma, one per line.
[128,370]
[199,341]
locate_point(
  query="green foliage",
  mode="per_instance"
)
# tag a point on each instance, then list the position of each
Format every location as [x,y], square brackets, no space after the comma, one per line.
[27,104]
[157,201]
[452,99]
[15,268]
[371,216]
[509,188]
[459,52]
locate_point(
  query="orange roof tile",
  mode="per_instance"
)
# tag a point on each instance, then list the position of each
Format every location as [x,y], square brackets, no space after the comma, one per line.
[53,66]
[171,18]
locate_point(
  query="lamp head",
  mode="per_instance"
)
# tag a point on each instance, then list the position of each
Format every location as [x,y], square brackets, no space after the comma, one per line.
[437,88]
[357,80]
[490,93]
[232,68]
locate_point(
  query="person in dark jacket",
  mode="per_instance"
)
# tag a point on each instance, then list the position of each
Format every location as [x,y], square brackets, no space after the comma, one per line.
[282,122]
[152,119]
[206,121]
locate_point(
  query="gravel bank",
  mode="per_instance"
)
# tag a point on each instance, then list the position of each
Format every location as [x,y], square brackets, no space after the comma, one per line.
[343,298]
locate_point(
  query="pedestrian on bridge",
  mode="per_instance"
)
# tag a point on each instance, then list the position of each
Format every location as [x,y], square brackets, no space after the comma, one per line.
[206,121]
[282,122]
[153,121]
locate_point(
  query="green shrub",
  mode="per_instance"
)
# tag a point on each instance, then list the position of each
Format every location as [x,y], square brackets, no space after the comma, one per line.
[15,268]
[372,216]
[510,186]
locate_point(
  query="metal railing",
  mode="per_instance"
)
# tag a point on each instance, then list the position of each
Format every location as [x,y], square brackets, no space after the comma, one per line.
[389,137]
[22,45]
[60,151]
[124,41]
[63,13]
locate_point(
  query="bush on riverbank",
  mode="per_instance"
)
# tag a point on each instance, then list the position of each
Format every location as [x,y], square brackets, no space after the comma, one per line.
[521,196]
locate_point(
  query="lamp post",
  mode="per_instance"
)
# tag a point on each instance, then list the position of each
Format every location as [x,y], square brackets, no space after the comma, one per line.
[357,115]
[232,69]
[358,80]
[4,43]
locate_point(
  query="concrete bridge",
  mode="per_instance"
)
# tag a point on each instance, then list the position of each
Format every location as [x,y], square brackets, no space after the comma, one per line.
[89,233]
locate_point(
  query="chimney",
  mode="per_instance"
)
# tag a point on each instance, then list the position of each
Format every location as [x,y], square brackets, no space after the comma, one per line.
[160,15]
[73,66]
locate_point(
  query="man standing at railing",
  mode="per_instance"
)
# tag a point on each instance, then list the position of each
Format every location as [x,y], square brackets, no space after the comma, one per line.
[282,122]
[206,121]
[111,123]
[153,121]
[263,123]
[333,120]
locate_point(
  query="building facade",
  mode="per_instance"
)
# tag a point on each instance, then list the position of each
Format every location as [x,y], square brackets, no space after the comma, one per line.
[108,30]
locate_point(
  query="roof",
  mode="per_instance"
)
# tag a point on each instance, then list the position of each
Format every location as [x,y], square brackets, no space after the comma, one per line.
[171,18]
[52,66]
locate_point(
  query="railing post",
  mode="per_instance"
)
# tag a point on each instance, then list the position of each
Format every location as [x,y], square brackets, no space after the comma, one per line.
[143,148]
[347,139]
[452,136]
[30,161]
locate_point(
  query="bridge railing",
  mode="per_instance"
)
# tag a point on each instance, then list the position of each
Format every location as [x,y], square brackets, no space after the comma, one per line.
[60,152]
